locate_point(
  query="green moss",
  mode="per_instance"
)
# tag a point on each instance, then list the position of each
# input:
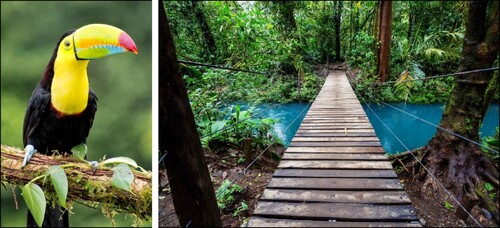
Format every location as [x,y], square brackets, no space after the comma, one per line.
[483,193]
[78,178]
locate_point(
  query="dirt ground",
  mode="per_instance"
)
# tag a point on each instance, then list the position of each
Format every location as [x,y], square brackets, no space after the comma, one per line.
[253,182]
[431,212]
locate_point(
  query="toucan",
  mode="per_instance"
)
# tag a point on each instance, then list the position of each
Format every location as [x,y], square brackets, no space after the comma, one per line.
[62,107]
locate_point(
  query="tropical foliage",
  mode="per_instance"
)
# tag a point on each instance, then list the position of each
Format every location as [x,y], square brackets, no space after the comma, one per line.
[262,36]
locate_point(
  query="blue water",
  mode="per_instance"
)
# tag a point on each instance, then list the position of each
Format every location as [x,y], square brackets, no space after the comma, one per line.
[413,133]
[289,117]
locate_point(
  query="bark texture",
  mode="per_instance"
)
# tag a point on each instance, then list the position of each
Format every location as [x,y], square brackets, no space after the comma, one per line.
[336,19]
[205,28]
[385,33]
[460,165]
[192,191]
[83,185]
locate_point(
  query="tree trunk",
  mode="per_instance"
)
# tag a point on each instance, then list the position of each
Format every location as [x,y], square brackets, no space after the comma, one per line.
[288,26]
[411,22]
[205,29]
[288,19]
[385,33]
[351,37]
[461,166]
[376,31]
[192,191]
[338,14]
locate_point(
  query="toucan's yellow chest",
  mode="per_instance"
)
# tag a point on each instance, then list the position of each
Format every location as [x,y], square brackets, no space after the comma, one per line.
[70,86]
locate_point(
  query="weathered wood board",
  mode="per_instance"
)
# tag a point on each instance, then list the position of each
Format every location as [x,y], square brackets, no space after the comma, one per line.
[335,172]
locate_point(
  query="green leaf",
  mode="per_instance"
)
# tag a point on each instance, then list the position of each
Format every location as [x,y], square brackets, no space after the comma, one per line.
[237,113]
[60,183]
[122,177]
[79,151]
[492,141]
[35,200]
[218,125]
[488,186]
[448,206]
[123,160]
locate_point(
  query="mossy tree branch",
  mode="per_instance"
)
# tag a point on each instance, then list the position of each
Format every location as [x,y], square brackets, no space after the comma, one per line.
[83,185]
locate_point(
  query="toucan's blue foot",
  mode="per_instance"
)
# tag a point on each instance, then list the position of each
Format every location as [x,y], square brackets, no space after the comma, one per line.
[29,150]
[94,166]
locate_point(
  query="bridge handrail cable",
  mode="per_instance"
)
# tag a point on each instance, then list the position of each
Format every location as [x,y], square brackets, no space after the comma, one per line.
[423,166]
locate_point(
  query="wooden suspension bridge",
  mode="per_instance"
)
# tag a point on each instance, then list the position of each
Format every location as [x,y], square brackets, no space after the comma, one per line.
[335,172]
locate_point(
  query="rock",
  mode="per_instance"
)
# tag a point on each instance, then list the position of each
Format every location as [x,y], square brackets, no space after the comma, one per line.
[422,221]
[486,213]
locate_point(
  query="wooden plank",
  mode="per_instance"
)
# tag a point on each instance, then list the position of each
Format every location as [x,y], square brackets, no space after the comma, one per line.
[336,120]
[339,120]
[271,222]
[350,111]
[337,156]
[335,139]
[335,134]
[373,197]
[332,120]
[331,116]
[382,173]
[335,164]
[337,211]
[337,106]
[335,126]
[347,131]
[338,109]
[376,149]
[321,144]
[321,183]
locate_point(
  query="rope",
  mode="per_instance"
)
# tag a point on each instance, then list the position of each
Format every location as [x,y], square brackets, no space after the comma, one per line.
[428,172]
[445,75]
[444,129]
[423,166]
[220,67]
[163,157]
[240,174]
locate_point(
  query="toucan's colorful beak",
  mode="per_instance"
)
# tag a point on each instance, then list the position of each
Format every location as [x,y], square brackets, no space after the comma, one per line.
[99,40]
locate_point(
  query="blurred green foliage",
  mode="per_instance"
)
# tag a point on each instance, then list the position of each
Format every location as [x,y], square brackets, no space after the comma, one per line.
[122,126]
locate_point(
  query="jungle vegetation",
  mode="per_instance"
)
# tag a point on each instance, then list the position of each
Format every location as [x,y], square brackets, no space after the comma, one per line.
[385,47]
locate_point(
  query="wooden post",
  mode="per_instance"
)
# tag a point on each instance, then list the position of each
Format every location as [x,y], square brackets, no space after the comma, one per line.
[192,191]
[247,148]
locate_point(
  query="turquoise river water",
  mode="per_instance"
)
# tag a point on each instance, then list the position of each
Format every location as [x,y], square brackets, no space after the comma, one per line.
[412,132]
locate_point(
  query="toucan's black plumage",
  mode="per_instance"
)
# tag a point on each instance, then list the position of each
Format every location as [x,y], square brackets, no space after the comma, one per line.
[48,131]
[61,109]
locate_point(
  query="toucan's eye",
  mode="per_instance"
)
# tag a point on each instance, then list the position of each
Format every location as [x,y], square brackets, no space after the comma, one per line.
[67,44]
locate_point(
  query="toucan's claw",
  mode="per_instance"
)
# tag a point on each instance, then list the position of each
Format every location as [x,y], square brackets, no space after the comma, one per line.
[29,150]
[94,166]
